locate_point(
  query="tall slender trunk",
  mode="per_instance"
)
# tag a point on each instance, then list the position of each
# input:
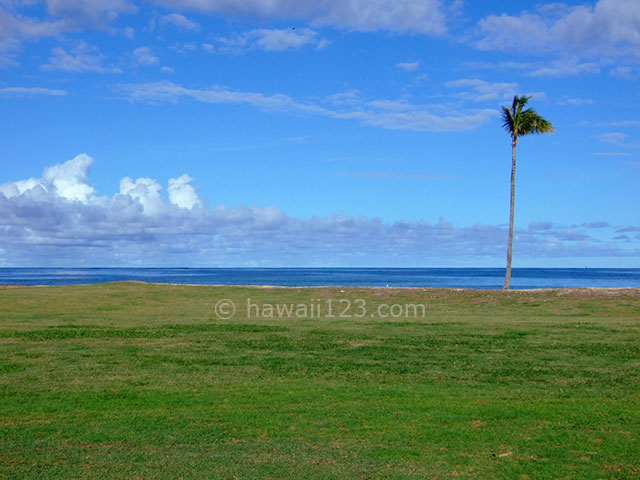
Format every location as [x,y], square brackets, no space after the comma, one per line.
[507,278]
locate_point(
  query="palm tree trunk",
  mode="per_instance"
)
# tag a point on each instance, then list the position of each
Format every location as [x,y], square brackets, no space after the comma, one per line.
[507,278]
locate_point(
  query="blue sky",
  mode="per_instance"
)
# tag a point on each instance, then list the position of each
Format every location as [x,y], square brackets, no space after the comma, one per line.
[335,133]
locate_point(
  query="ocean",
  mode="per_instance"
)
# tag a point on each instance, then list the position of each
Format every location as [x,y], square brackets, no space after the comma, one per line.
[479,278]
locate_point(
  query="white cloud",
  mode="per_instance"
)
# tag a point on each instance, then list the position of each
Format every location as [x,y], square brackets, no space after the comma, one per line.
[14,28]
[347,98]
[620,123]
[60,218]
[565,68]
[13,189]
[391,105]
[609,27]
[129,32]
[94,10]
[618,139]
[18,23]
[408,66]
[280,40]
[626,73]
[183,48]
[83,58]
[612,154]
[182,193]
[615,138]
[568,66]
[416,16]
[598,224]
[565,100]
[144,56]
[69,179]
[482,91]
[144,190]
[541,225]
[66,181]
[372,113]
[270,40]
[179,21]
[30,91]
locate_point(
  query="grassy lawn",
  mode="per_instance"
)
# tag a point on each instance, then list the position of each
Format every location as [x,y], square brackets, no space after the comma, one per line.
[130,380]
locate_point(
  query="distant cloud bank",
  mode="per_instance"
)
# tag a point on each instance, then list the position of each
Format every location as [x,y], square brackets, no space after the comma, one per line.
[60,219]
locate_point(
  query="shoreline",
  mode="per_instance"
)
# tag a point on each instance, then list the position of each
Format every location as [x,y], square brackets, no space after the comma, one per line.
[564,290]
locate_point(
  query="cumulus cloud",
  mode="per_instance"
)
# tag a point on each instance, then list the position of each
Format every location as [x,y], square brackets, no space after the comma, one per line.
[66,181]
[609,27]
[182,193]
[13,189]
[376,113]
[146,191]
[69,179]
[60,218]
[416,16]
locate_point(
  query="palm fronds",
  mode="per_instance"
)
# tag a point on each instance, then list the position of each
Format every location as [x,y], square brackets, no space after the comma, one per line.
[519,122]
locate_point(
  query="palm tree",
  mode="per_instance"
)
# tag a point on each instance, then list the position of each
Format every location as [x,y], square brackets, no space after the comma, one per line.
[518,122]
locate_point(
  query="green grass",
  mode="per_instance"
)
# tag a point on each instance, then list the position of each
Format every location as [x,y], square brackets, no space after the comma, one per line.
[129,380]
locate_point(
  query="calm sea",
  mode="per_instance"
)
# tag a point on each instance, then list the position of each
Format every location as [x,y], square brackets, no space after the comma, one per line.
[489,278]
